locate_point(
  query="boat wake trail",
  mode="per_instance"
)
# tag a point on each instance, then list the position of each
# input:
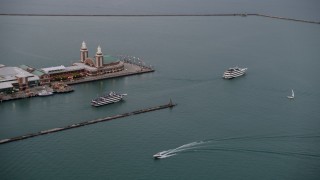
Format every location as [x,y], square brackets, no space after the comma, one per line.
[175,151]
[230,145]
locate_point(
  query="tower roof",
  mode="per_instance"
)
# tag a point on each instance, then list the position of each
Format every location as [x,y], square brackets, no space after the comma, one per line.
[84,46]
[99,50]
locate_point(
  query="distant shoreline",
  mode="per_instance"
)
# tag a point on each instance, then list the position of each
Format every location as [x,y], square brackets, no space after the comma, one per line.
[164,15]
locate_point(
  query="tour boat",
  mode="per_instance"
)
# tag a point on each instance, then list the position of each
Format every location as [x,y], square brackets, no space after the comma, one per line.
[234,72]
[109,98]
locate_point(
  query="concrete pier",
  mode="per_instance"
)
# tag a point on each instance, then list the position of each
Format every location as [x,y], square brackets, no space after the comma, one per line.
[129,69]
[109,118]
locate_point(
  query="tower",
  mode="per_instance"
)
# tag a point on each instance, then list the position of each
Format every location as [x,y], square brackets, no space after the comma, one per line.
[99,57]
[83,52]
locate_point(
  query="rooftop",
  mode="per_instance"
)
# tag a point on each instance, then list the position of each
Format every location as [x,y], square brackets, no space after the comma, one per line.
[89,68]
[5,85]
[11,73]
[55,68]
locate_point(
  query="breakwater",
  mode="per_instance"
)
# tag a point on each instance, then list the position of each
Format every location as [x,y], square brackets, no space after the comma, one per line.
[167,15]
[85,123]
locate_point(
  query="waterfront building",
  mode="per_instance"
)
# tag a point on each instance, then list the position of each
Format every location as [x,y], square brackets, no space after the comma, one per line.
[84,53]
[99,58]
[100,64]
[44,78]
[16,79]
[23,77]
[62,73]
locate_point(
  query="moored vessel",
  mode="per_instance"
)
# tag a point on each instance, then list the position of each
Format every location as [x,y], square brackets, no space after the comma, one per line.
[111,97]
[234,72]
[45,93]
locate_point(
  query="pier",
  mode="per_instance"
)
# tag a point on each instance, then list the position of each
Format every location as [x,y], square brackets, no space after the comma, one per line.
[132,66]
[77,125]
[130,69]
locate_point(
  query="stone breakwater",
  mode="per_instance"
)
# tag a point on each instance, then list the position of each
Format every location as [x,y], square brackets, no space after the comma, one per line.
[168,15]
[77,125]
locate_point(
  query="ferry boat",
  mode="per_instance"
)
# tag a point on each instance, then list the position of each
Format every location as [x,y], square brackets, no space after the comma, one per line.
[234,72]
[109,98]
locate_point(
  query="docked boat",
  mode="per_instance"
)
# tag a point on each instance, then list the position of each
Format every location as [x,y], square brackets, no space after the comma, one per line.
[109,98]
[45,93]
[234,72]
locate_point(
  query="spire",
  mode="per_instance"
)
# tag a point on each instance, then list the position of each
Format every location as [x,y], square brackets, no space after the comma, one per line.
[99,50]
[84,46]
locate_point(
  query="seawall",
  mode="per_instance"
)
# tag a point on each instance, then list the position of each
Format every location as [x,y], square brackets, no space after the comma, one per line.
[166,15]
[89,122]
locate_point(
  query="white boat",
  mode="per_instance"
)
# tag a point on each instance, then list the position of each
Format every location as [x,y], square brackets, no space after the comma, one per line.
[292,95]
[159,155]
[45,93]
[234,72]
[110,98]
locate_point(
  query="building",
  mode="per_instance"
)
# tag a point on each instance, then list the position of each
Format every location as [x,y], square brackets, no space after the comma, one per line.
[44,78]
[87,66]
[99,64]
[62,73]
[23,77]
[16,79]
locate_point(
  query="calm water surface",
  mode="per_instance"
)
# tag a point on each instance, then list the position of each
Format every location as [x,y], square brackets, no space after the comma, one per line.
[258,132]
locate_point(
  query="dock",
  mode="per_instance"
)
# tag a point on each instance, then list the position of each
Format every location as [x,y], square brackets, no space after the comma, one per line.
[130,68]
[85,123]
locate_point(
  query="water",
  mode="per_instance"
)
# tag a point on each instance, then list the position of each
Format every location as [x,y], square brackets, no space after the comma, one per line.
[189,55]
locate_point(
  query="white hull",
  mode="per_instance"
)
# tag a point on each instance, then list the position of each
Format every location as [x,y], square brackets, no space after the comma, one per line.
[108,99]
[45,93]
[234,72]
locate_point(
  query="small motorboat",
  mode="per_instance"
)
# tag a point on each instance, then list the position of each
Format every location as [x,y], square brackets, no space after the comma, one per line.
[160,155]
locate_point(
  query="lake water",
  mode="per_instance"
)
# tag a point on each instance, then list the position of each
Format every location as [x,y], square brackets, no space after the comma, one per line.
[251,130]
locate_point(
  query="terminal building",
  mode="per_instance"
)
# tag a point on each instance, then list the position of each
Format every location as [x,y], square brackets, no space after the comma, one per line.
[44,78]
[16,79]
[98,65]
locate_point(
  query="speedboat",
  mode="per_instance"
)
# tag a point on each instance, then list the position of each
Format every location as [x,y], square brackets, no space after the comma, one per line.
[160,155]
